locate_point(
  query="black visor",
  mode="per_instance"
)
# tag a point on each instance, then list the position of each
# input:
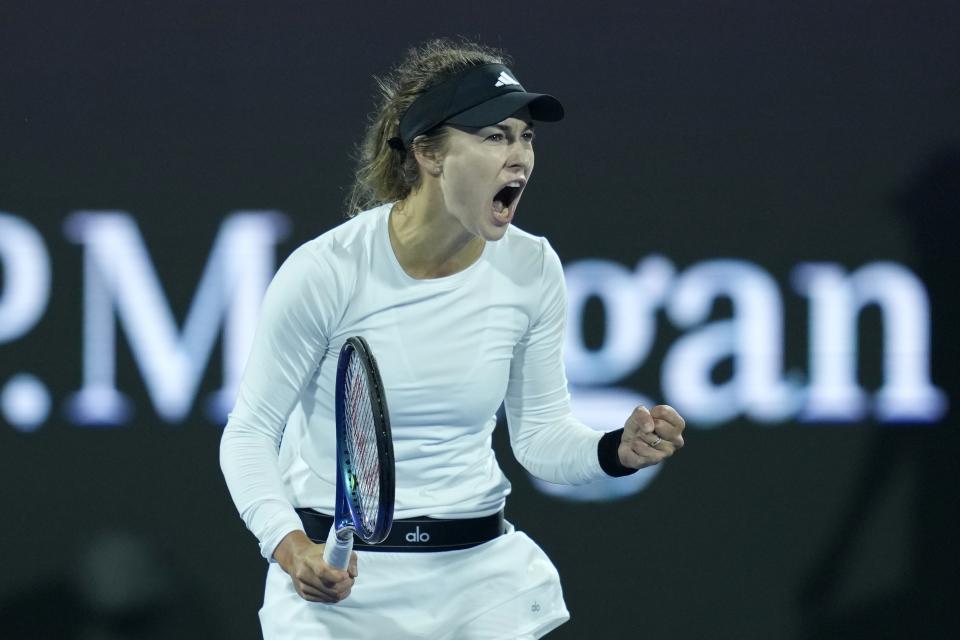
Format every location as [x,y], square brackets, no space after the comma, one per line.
[478,97]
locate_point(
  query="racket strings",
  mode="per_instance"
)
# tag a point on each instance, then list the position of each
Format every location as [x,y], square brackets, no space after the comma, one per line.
[363,463]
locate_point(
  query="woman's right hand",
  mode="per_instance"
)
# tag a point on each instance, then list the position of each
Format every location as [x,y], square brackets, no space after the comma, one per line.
[313,578]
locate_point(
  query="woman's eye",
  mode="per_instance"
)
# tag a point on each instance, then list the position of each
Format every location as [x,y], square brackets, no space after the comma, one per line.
[528,136]
[496,137]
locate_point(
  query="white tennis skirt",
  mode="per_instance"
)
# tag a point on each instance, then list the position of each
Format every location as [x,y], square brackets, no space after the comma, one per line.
[503,589]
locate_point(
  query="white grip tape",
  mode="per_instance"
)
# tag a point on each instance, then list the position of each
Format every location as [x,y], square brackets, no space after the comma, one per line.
[336,553]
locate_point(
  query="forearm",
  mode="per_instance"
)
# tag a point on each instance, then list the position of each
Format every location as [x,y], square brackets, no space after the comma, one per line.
[248,459]
[562,450]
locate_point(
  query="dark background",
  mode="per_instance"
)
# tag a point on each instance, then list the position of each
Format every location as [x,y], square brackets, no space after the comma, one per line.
[775,132]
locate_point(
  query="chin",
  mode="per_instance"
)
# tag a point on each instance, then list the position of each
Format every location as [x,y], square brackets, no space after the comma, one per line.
[495,232]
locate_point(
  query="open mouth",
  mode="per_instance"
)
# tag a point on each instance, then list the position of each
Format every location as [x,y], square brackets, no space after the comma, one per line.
[505,197]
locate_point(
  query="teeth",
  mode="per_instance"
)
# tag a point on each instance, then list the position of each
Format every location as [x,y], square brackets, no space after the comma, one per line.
[515,183]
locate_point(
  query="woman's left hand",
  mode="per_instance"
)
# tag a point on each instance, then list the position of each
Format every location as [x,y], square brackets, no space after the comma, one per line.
[651,436]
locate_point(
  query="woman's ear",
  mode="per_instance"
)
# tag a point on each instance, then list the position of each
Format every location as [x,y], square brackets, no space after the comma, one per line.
[429,160]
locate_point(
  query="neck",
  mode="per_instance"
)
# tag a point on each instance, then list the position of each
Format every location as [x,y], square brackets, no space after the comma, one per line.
[428,241]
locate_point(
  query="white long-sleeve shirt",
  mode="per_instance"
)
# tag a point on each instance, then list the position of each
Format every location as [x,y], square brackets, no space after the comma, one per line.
[450,351]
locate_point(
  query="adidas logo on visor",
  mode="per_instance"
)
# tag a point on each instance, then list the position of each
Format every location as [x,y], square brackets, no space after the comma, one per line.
[505,79]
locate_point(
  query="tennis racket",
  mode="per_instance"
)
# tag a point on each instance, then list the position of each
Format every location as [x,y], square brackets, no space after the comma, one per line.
[365,466]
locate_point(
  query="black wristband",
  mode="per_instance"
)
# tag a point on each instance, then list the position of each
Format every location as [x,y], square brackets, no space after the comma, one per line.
[609,458]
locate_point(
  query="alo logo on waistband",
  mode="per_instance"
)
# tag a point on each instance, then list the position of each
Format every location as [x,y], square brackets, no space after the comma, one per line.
[417,536]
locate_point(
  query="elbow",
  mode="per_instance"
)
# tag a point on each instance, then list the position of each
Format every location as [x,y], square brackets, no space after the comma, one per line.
[539,463]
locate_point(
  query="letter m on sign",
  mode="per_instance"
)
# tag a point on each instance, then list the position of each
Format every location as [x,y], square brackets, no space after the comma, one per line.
[121,287]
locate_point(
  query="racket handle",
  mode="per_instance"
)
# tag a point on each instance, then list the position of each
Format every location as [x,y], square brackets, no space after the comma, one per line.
[336,553]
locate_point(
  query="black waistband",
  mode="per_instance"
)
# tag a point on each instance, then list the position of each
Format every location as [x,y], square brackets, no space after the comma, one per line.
[416,534]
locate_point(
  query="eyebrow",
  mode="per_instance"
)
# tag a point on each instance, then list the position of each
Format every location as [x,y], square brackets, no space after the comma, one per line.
[507,129]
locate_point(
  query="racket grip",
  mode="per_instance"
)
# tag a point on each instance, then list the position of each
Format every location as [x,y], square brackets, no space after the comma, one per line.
[336,553]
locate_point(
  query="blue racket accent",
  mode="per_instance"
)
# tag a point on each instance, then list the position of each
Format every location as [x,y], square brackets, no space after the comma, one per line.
[365,464]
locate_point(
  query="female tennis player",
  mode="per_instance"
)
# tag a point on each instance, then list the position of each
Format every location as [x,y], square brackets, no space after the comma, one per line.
[464,312]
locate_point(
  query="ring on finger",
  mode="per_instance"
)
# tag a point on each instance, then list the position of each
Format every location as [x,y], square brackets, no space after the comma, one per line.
[656,442]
